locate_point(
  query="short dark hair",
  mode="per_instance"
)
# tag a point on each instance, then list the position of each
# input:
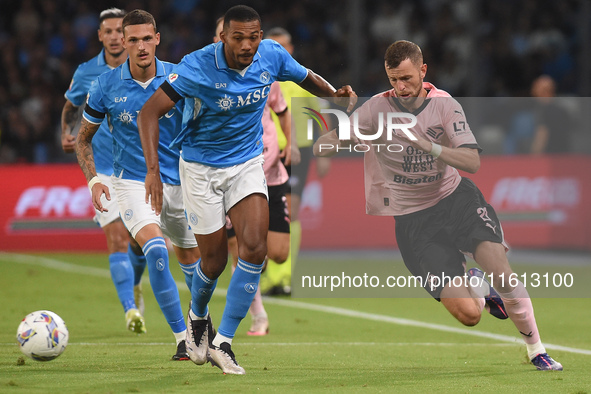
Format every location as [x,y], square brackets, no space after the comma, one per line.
[278,32]
[402,50]
[241,13]
[139,17]
[111,13]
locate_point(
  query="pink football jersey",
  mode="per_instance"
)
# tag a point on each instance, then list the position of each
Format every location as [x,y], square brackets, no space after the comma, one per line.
[400,179]
[274,169]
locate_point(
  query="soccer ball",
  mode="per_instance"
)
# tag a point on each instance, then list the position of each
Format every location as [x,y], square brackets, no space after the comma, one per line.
[42,335]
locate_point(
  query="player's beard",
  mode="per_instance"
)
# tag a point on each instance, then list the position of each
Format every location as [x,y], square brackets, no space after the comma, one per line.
[242,62]
[145,64]
[413,101]
[410,103]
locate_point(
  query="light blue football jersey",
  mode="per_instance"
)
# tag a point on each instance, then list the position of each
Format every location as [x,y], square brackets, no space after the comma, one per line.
[222,118]
[118,96]
[85,75]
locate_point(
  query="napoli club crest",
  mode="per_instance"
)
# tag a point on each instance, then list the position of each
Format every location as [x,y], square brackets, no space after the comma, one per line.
[128,214]
[265,77]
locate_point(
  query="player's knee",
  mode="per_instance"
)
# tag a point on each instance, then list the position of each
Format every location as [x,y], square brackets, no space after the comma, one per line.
[278,258]
[212,271]
[117,240]
[213,264]
[253,253]
[278,255]
[188,256]
[464,310]
[469,317]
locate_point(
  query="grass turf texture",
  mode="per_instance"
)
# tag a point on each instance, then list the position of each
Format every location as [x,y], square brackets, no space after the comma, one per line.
[306,351]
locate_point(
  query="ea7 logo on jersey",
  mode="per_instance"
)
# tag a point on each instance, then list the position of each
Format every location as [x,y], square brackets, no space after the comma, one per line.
[120,99]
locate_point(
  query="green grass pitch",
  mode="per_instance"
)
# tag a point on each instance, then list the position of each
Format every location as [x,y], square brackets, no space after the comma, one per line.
[314,345]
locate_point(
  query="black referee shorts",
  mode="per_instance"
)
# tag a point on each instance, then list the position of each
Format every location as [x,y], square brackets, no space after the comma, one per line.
[278,213]
[431,241]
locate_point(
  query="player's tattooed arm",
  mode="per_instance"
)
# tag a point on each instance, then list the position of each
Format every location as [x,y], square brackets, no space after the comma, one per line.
[69,118]
[86,160]
[84,148]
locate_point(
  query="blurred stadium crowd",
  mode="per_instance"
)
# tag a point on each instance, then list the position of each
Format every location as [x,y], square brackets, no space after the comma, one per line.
[473,48]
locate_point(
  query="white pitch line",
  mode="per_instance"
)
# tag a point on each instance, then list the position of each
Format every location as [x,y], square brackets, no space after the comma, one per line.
[443,344]
[55,264]
[68,267]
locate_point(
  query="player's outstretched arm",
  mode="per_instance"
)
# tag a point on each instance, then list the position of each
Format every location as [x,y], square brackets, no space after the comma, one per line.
[85,158]
[318,86]
[465,159]
[69,118]
[147,122]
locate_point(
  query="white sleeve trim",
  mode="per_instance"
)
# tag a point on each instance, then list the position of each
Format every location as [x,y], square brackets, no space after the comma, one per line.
[90,121]
[307,73]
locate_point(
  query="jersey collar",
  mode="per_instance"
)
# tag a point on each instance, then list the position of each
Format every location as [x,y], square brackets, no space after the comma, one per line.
[427,86]
[126,72]
[100,59]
